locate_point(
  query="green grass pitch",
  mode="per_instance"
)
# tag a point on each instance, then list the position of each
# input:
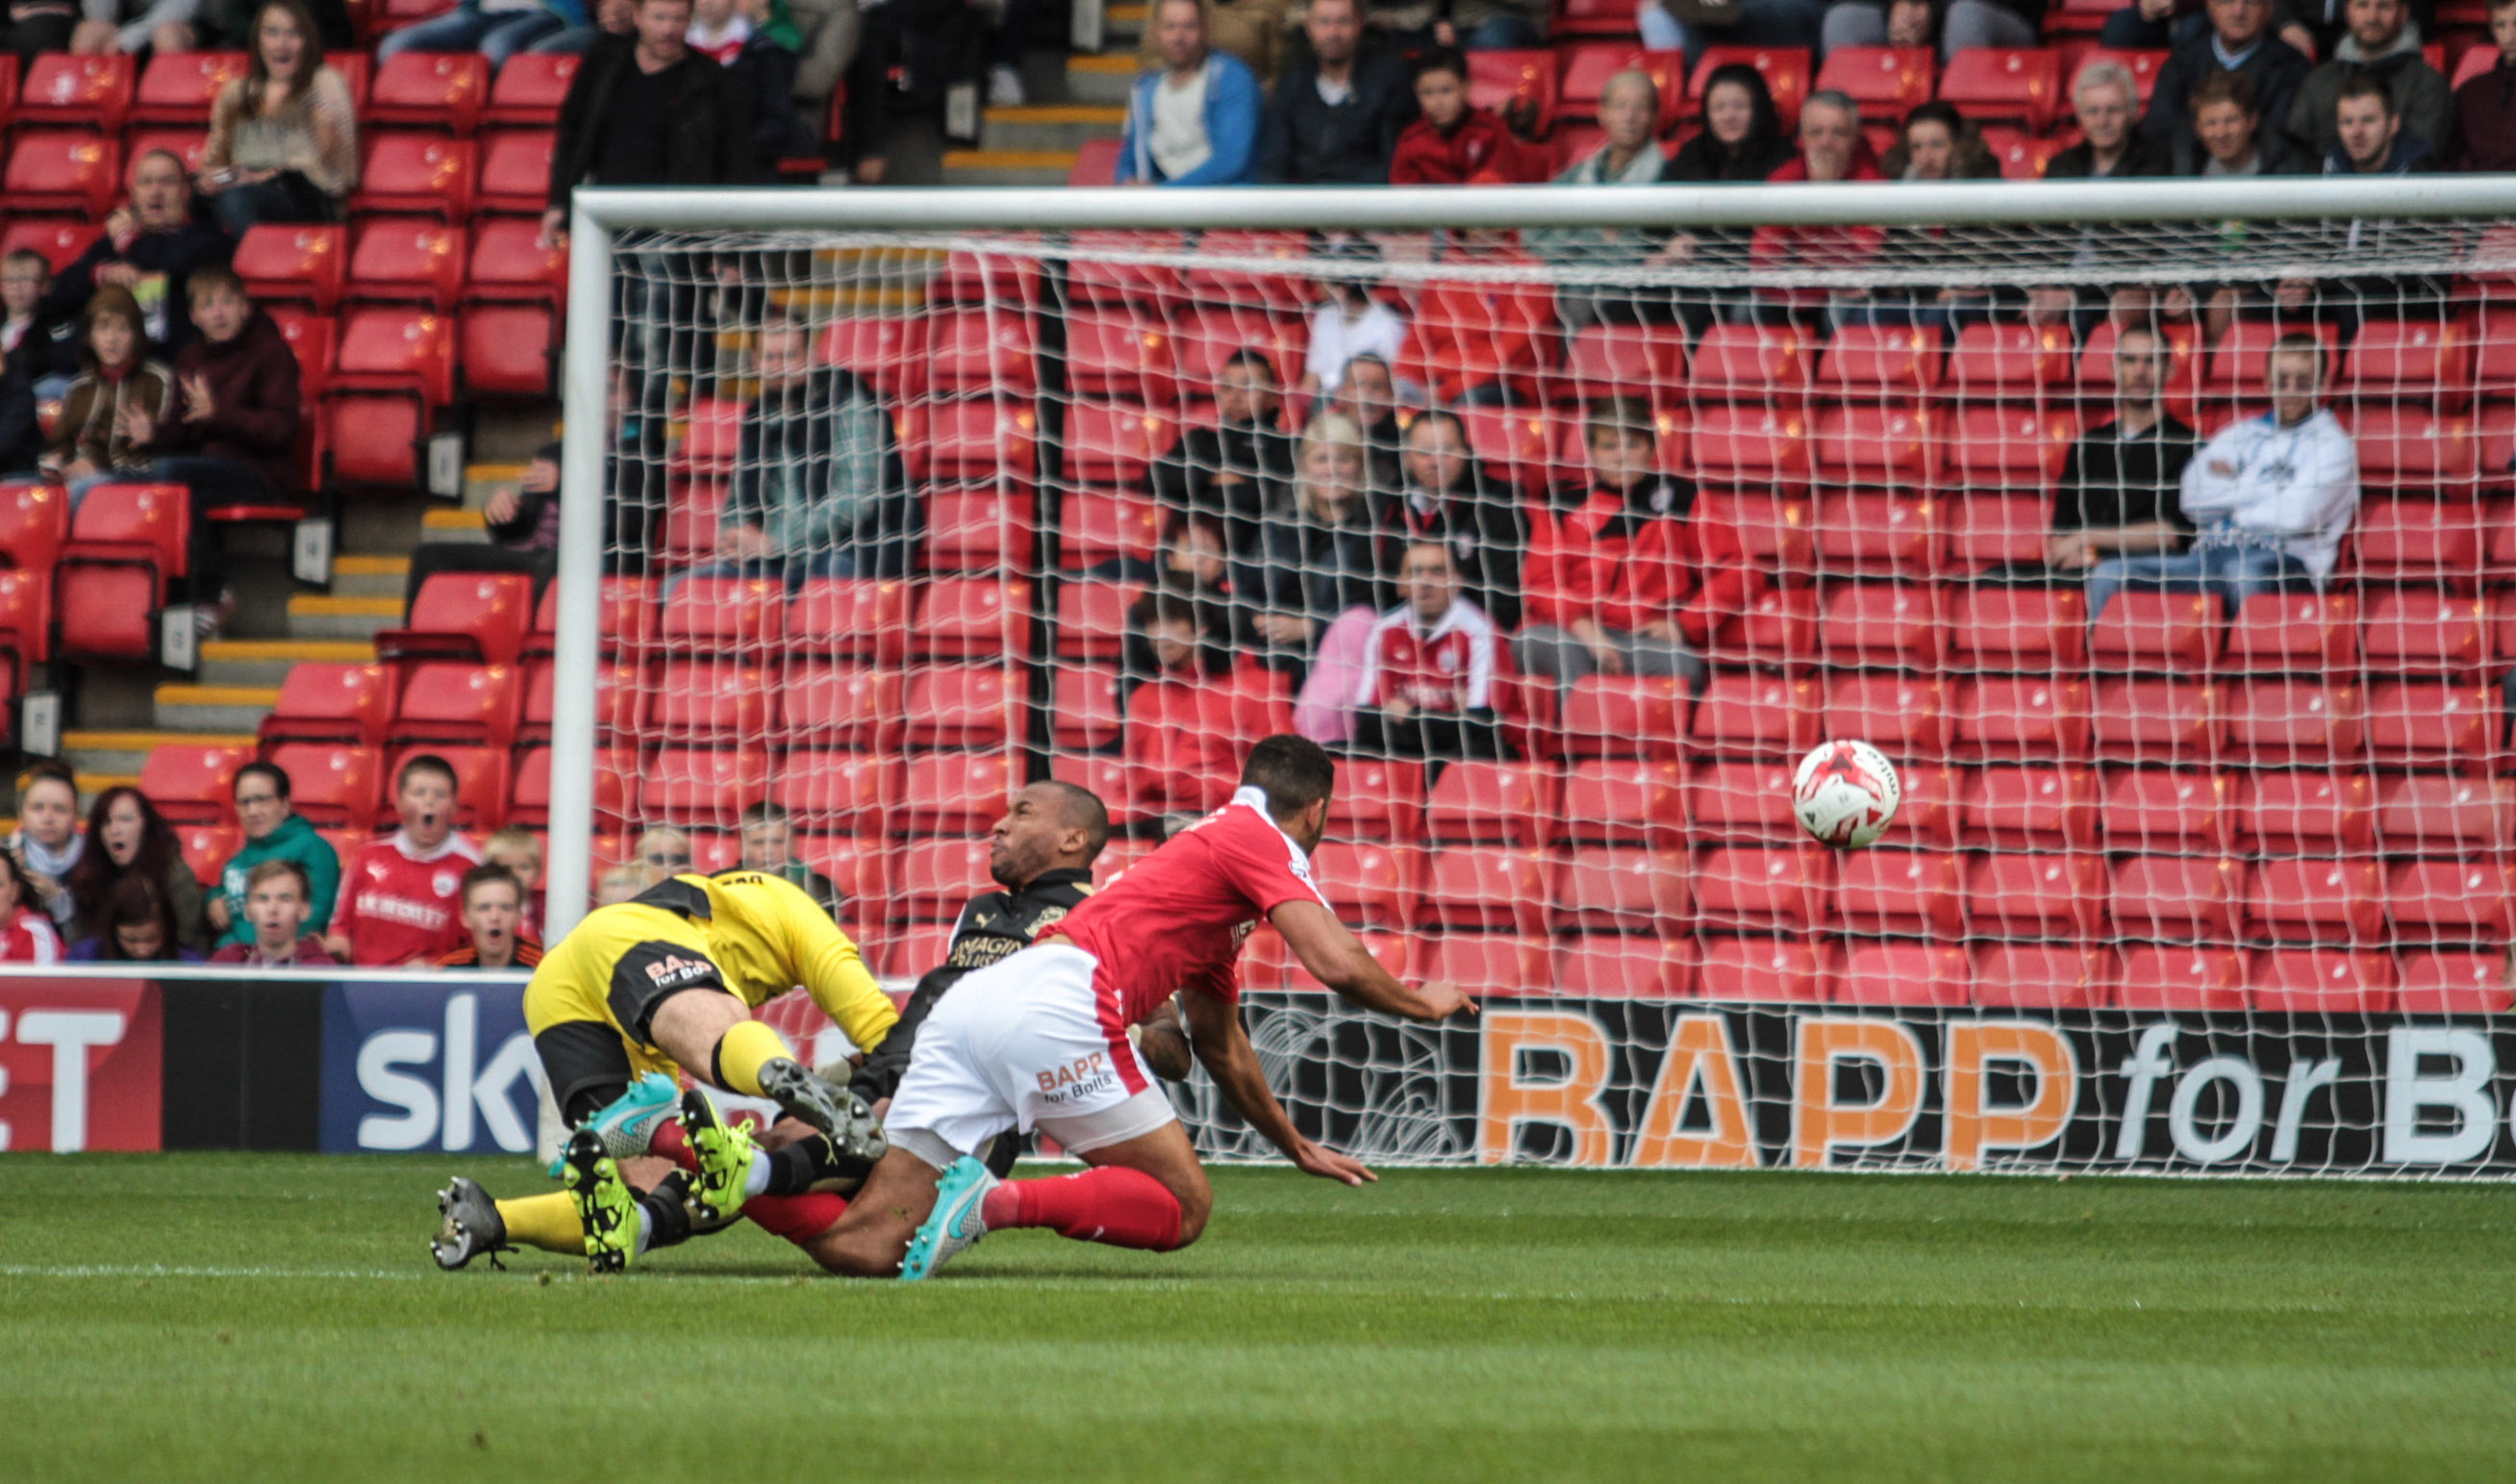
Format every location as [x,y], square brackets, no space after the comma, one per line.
[274,1317]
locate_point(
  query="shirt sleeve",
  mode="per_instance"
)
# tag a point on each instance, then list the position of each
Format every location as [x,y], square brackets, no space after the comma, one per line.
[1260,863]
[834,973]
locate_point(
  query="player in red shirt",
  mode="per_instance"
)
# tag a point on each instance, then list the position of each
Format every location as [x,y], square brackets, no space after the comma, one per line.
[1040,1040]
[400,895]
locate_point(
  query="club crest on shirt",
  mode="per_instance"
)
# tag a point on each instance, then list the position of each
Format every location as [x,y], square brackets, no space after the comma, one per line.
[443,883]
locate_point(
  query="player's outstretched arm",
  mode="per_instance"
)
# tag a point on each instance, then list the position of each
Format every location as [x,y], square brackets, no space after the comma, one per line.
[1215,1031]
[1337,959]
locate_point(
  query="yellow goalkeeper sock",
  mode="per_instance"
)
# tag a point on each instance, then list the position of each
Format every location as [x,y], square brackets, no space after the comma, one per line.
[548,1222]
[743,1051]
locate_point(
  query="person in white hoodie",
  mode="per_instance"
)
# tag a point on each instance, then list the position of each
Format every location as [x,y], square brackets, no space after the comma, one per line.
[2272,496]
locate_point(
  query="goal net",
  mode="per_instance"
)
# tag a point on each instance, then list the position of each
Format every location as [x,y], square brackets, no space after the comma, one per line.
[1569,540]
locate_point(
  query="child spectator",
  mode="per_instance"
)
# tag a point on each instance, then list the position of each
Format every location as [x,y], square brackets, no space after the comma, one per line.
[1191,586]
[517,850]
[1455,142]
[398,893]
[1625,575]
[278,907]
[2485,106]
[91,440]
[272,831]
[47,845]
[663,848]
[27,933]
[1427,686]
[127,837]
[493,914]
[285,137]
[1351,320]
[134,923]
[768,847]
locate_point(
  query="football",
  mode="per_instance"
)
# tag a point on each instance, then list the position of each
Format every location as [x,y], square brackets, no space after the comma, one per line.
[1845,793]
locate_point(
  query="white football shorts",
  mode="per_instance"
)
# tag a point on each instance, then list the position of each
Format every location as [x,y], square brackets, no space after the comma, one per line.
[1022,1045]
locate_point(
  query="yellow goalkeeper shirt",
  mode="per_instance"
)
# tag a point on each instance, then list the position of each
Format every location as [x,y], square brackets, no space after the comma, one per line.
[756,935]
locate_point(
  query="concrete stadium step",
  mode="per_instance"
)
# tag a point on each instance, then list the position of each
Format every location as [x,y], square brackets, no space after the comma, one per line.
[322,615]
[124,753]
[451,524]
[1007,168]
[1103,79]
[1051,126]
[267,661]
[183,706]
[370,575]
[1123,26]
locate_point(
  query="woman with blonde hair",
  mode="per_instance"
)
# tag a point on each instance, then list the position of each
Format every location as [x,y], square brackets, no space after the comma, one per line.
[1315,586]
[283,140]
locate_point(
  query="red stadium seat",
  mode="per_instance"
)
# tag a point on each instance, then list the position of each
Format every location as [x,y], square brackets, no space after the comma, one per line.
[1616,966]
[973,619]
[1370,886]
[1883,625]
[848,793]
[180,87]
[1092,619]
[953,793]
[62,170]
[2427,633]
[407,261]
[90,91]
[1886,447]
[2019,628]
[2239,365]
[2309,813]
[1904,973]
[2294,723]
[1622,802]
[2316,900]
[193,785]
[431,90]
[1986,530]
[1755,715]
[1377,800]
[2007,448]
[1588,66]
[416,175]
[2155,721]
[1504,81]
[1493,965]
[1492,803]
[2414,538]
[977,441]
[974,705]
[2042,976]
[702,785]
[332,784]
[61,242]
[1996,362]
[2159,977]
[1625,716]
[529,801]
[1899,891]
[1609,889]
[1758,970]
[712,701]
[2005,85]
[34,523]
[2169,809]
[1905,715]
[2143,64]
[2427,361]
[851,618]
[977,351]
[1753,888]
[1104,525]
[207,848]
[1722,801]
[1779,629]
[2304,633]
[1112,445]
[315,341]
[2432,901]
[1114,354]
[888,355]
[529,89]
[128,544]
[451,702]
[2415,447]
[1873,363]
[328,702]
[1647,361]
[2034,716]
[2434,724]
[394,367]
[1887,81]
[2035,896]
[294,263]
[932,878]
[843,705]
[2453,983]
[2160,633]
[515,171]
[2184,899]
[706,615]
[479,616]
[2429,812]
[1595,18]
[1100,274]
[2031,807]
[1086,715]
[1750,364]
[2321,982]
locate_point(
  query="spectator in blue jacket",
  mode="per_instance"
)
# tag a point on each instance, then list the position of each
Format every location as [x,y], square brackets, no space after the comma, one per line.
[1196,121]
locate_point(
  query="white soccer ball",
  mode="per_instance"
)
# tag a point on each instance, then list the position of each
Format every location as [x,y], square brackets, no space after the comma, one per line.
[1845,793]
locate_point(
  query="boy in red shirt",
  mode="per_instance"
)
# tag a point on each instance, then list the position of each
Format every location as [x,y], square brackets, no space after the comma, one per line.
[1626,576]
[399,895]
[1455,142]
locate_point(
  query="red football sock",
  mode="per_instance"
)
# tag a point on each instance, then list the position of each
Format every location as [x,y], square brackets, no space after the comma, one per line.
[1110,1204]
[797,1218]
[668,1142]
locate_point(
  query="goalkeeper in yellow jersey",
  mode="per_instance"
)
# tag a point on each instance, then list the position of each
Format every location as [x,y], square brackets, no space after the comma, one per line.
[667,982]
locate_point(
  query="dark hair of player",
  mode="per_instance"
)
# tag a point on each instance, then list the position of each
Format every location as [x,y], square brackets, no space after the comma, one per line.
[1083,810]
[1295,771]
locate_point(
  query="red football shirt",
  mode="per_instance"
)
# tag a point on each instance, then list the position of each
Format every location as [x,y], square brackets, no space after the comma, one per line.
[398,903]
[1175,919]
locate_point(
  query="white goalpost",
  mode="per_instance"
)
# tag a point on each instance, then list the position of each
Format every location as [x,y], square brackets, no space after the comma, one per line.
[877,504]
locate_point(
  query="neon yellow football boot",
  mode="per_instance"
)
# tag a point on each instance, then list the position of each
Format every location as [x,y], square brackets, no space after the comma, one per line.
[725,1153]
[604,1203]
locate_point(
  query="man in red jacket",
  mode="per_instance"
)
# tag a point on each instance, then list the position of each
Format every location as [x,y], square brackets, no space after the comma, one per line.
[1626,575]
[1455,142]
[236,441]
[1832,149]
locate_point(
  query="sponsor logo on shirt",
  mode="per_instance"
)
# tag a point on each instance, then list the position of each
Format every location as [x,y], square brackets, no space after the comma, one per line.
[674,971]
[425,916]
[1077,1080]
